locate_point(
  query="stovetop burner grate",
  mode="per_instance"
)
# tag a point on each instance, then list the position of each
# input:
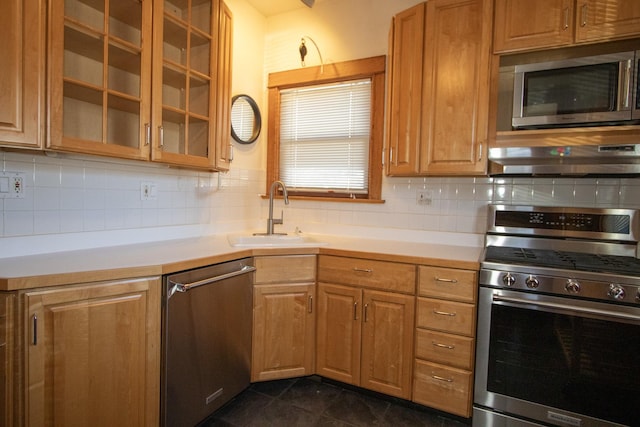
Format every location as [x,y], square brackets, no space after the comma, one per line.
[564,260]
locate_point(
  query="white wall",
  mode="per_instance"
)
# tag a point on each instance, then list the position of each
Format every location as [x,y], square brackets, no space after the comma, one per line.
[75,202]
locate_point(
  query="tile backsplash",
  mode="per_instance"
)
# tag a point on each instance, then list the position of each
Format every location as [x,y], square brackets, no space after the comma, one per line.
[79,195]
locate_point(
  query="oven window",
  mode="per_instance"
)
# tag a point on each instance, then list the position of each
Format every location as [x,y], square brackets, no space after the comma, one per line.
[579,364]
[573,90]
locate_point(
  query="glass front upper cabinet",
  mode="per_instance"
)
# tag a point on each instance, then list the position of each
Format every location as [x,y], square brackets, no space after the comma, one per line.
[109,97]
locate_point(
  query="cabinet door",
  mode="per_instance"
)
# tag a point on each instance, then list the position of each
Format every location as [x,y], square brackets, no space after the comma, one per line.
[100,77]
[526,24]
[600,20]
[184,82]
[387,343]
[224,149]
[405,77]
[22,73]
[8,363]
[283,331]
[456,87]
[339,333]
[93,355]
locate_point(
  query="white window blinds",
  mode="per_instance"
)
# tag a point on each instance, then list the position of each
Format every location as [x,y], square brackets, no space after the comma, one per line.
[324,137]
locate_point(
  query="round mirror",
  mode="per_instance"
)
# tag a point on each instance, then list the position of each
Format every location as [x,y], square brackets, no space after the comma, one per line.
[245,119]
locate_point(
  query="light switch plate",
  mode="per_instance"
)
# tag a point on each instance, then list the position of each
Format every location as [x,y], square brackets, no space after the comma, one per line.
[12,185]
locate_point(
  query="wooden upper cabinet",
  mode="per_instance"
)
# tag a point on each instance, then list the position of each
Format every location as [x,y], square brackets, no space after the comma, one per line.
[184,82]
[223,147]
[526,24]
[455,111]
[439,89]
[22,73]
[600,20]
[100,77]
[530,25]
[135,79]
[406,47]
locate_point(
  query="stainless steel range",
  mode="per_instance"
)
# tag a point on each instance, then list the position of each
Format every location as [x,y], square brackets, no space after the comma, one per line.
[559,318]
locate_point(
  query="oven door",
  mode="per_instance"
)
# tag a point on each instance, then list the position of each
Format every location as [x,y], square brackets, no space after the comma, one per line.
[560,361]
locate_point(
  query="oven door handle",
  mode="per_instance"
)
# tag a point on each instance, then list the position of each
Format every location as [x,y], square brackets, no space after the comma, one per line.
[556,307]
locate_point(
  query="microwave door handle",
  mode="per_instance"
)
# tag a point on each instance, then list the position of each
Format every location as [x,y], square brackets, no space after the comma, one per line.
[624,93]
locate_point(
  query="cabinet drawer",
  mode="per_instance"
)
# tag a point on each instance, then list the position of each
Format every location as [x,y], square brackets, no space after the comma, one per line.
[446,316]
[285,269]
[444,388]
[447,283]
[447,349]
[389,276]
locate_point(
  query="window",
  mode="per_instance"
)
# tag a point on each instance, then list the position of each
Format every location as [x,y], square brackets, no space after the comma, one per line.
[325,130]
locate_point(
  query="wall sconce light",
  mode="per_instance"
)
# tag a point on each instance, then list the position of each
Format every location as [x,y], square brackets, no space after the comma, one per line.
[309,3]
[303,52]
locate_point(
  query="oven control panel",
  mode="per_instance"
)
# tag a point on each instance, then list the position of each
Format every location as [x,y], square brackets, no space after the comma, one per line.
[593,286]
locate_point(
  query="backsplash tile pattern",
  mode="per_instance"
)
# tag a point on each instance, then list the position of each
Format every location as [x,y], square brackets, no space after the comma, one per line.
[80,195]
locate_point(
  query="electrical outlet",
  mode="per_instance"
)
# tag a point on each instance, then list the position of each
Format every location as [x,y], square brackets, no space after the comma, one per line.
[12,185]
[423,197]
[148,191]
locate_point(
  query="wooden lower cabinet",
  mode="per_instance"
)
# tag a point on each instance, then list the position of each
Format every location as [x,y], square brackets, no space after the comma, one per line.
[283,344]
[339,333]
[441,387]
[8,362]
[365,336]
[445,339]
[93,354]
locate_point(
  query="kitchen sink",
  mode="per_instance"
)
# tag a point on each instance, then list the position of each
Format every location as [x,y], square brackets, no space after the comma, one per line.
[273,240]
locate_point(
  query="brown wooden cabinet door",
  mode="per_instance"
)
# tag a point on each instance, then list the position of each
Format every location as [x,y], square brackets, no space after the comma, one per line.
[99,77]
[22,28]
[184,82]
[339,333]
[283,331]
[93,355]
[9,394]
[405,86]
[387,343]
[601,20]
[224,149]
[456,87]
[526,24]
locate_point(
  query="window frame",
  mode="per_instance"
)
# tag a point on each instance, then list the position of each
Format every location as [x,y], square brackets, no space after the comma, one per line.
[368,68]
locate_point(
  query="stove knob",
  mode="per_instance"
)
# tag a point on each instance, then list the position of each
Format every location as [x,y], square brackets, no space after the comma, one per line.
[508,279]
[616,292]
[572,286]
[532,282]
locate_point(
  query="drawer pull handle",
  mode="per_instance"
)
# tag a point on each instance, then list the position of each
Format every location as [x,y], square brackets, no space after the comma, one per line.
[363,270]
[310,304]
[366,317]
[355,311]
[447,346]
[439,378]
[440,279]
[443,313]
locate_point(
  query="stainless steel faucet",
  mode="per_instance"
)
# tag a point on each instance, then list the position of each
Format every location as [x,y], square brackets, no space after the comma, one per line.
[271,222]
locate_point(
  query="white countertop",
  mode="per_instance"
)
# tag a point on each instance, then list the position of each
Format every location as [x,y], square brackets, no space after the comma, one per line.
[168,256]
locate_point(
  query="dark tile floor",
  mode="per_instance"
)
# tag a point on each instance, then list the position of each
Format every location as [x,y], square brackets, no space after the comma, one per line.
[312,401]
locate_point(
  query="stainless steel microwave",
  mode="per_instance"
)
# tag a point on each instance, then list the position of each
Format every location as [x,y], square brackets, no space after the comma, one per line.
[586,91]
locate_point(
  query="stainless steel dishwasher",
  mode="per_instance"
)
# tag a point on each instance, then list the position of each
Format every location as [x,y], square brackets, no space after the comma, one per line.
[206,340]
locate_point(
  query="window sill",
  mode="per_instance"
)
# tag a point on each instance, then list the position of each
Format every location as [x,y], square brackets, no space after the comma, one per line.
[330,199]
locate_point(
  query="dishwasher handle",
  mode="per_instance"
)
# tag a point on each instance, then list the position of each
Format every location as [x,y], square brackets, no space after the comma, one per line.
[185,287]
